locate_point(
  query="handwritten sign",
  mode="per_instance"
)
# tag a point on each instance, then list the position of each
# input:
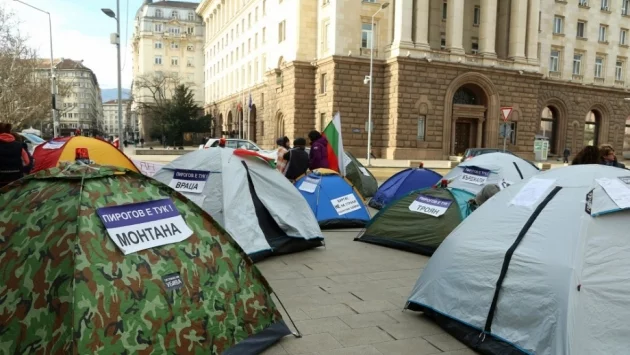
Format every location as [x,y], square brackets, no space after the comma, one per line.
[432,206]
[309,185]
[139,226]
[147,168]
[192,181]
[345,204]
[475,176]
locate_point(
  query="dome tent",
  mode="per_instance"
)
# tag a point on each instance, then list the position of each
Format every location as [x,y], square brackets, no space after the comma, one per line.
[333,200]
[493,168]
[59,150]
[402,183]
[419,221]
[68,288]
[545,274]
[359,176]
[255,204]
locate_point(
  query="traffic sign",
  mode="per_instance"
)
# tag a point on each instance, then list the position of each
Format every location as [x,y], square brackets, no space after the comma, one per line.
[506,111]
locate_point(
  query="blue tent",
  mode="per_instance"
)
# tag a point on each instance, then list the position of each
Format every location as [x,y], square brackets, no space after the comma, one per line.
[402,183]
[334,201]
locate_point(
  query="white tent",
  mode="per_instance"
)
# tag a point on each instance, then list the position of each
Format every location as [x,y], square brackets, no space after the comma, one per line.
[255,203]
[541,268]
[502,169]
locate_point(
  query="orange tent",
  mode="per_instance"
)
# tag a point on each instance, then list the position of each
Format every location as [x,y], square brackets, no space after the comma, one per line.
[50,154]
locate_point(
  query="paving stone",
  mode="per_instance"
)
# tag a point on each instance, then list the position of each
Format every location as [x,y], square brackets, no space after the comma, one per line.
[366,320]
[444,342]
[277,349]
[371,306]
[300,291]
[460,352]
[408,330]
[313,343]
[321,325]
[408,281]
[355,350]
[402,291]
[283,275]
[362,336]
[344,297]
[346,279]
[302,282]
[409,273]
[407,316]
[296,314]
[332,310]
[413,346]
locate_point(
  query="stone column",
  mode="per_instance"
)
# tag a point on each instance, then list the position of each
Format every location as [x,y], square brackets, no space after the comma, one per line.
[403,23]
[455,26]
[518,30]
[479,133]
[487,28]
[532,31]
[422,24]
[453,130]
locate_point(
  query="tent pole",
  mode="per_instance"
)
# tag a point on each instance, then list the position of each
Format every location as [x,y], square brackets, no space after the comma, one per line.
[298,334]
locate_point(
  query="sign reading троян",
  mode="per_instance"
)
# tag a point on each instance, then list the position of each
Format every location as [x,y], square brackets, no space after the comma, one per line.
[139,226]
[433,206]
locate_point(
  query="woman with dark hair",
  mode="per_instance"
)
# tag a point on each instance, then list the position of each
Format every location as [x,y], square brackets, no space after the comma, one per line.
[588,155]
[318,156]
[13,157]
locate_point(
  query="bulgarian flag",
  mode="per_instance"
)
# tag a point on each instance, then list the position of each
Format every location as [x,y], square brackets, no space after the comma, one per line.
[332,132]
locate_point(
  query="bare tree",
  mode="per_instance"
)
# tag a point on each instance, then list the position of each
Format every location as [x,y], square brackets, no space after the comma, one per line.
[25,96]
[152,93]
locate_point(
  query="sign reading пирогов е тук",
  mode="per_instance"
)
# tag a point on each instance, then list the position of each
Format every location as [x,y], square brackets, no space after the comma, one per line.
[433,206]
[138,226]
[475,176]
[192,181]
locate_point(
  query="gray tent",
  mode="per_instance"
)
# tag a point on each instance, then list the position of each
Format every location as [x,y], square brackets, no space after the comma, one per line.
[255,204]
[540,268]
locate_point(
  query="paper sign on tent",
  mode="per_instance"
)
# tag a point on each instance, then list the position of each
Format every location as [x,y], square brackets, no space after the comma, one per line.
[506,112]
[345,204]
[189,180]
[473,175]
[309,185]
[433,206]
[139,226]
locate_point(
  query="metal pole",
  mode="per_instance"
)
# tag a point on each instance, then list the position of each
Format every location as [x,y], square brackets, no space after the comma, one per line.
[249,115]
[369,142]
[120,124]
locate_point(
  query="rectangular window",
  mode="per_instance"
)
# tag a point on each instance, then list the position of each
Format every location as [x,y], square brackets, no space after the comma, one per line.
[157,60]
[577,64]
[444,10]
[366,35]
[190,61]
[264,7]
[603,29]
[625,7]
[322,121]
[158,45]
[558,24]
[282,31]
[174,45]
[583,2]
[256,14]
[623,37]
[174,30]
[256,41]
[174,61]
[599,67]
[477,16]
[249,20]
[619,70]
[581,29]
[420,134]
[249,45]
[474,46]
[157,27]
[322,84]
[190,30]
[325,38]
[264,35]
[554,60]
[605,5]
[443,41]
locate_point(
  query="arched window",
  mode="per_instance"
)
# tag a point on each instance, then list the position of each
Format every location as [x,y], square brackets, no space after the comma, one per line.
[158,13]
[465,96]
[174,15]
[280,125]
[548,122]
[591,128]
[191,16]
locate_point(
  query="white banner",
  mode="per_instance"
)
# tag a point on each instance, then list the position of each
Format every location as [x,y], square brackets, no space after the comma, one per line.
[192,181]
[139,226]
[345,204]
[475,176]
[433,206]
[309,185]
[53,145]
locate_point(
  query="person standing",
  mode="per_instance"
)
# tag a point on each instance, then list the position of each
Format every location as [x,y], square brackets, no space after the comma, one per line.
[283,148]
[116,142]
[318,156]
[297,160]
[566,154]
[13,157]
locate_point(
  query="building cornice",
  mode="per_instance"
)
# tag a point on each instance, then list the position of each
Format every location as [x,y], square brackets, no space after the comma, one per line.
[203,6]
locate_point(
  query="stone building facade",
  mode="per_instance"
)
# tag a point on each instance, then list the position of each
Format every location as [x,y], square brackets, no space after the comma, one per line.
[442,72]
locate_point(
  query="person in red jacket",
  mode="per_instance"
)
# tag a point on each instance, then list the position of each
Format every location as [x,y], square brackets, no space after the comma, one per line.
[13,157]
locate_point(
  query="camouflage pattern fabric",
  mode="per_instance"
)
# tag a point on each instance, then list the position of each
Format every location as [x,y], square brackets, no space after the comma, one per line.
[66,288]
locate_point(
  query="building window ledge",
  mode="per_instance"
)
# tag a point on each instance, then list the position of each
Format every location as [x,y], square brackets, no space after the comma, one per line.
[322,94]
[603,42]
[365,52]
[626,15]
[581,38]
[564,2]
[619,82]
[555,75]
[606,11]
[624,45]
[600,80]
[577,77]
[586,7]
[558,34]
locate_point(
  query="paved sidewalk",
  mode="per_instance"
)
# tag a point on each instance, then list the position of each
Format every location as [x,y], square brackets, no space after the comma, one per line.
[347,299]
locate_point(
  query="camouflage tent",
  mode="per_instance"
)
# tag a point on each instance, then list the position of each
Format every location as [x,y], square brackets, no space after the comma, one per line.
[67,287]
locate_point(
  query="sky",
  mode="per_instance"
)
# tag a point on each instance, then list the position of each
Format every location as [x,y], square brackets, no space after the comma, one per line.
[81,32]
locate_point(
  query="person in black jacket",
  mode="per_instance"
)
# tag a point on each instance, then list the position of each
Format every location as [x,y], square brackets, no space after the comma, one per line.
[13,158]
[297,160]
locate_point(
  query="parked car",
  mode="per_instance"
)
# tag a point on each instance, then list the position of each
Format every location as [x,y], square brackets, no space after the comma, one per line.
[31,140]
[243,144]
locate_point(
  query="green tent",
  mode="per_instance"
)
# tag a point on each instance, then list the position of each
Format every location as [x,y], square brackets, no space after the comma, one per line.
[68,286]
[419,221]
[359,176]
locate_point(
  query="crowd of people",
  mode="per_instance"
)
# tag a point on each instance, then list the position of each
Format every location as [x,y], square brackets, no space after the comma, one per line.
[296,161]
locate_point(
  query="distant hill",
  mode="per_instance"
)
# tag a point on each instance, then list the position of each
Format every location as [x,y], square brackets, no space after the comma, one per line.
[112,94]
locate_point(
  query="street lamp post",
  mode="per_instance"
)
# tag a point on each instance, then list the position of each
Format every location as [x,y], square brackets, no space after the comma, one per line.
[116,41]
[369,143]
[52,71]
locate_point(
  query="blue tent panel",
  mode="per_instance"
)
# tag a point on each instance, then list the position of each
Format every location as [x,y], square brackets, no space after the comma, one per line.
[402,183]
[335,203]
